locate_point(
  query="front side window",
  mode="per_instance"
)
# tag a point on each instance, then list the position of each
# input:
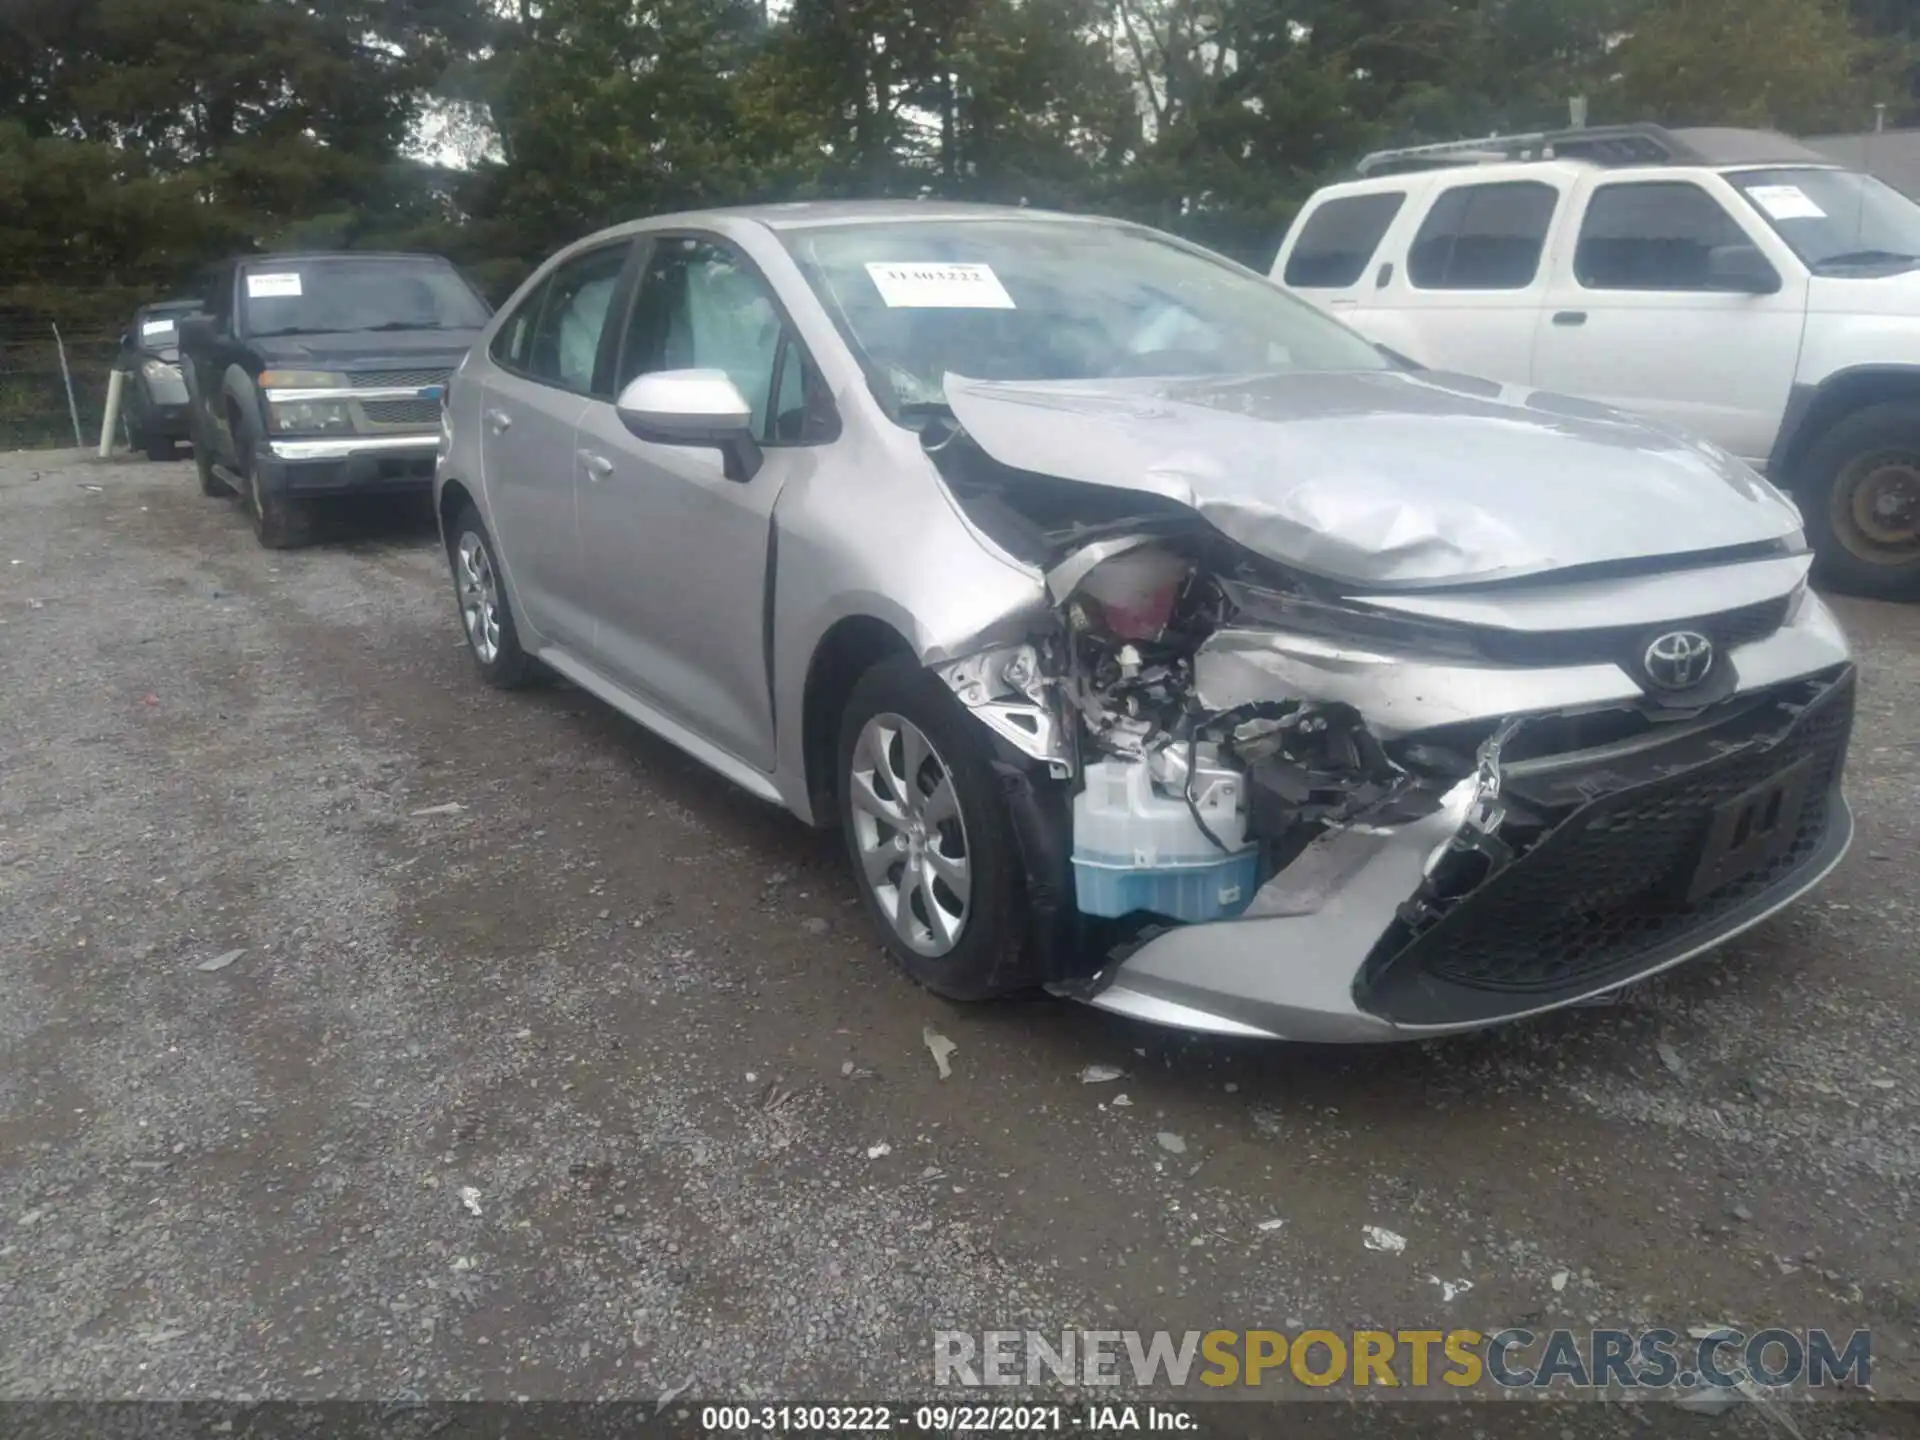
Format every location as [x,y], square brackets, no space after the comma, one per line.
[1483,237]
[1339,238]
[1011,299]
[565,344]
[701,307]
[513,341]
[1657,235]
[1836,220]
[337,294]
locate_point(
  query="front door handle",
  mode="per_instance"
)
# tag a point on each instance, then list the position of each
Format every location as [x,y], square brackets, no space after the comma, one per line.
[499,421]
[1570,317]
[598,466]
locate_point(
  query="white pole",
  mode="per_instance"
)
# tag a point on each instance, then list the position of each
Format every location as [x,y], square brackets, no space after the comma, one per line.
[115,381]
[73,410]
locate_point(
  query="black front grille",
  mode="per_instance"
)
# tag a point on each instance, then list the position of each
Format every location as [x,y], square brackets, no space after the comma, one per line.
[402,412]
[1624,644]
[1602,888]
[395,379]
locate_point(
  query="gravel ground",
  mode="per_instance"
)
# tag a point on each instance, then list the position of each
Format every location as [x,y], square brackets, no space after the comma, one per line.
[579,1089]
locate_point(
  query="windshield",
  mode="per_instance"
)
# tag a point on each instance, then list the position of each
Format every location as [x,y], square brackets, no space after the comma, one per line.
[319,296]
[1835,218]
[156,326]
[1049,300]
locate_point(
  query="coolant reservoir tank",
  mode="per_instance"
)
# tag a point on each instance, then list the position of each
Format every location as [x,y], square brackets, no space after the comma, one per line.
[1135,849]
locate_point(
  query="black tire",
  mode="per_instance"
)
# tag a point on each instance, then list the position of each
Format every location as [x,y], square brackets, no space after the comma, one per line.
[989,957]
[158,449]
[279,523]
[1842,466]
[210,483]
[510,668]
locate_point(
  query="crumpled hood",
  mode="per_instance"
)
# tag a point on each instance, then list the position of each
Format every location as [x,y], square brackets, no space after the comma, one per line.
[1386,478]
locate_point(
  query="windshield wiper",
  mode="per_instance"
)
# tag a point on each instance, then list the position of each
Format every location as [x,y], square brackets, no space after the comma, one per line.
[412,325]
[1866,257]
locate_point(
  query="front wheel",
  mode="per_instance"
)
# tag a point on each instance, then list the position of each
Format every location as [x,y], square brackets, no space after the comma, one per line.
[932,848]
[158,449]
[1860,493]
[279,523]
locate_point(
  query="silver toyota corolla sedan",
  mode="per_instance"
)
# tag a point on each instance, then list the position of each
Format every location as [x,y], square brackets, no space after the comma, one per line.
[1151,637]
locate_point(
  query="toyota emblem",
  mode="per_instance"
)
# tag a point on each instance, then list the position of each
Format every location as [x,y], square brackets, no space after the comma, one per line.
[1678,659]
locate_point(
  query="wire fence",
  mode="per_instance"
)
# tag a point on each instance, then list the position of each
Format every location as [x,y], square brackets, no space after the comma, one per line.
[53,382]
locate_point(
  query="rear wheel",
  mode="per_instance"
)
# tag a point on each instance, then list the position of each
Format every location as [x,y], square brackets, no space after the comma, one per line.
[210,483]
[932,848]
[1861,497]
[485,615]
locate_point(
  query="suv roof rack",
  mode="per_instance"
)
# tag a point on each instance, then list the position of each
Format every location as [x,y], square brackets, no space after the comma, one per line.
[1598,144]
[1602,145]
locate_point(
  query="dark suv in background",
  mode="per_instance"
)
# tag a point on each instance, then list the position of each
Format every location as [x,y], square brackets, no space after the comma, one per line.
[320,375]
[156,403]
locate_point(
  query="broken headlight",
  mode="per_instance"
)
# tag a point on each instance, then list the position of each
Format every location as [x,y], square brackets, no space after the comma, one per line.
[1257,606]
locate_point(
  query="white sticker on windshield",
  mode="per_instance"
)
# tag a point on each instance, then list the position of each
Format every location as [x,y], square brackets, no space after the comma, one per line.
[272,287]
[156,327]
[1785,202]
[938,286]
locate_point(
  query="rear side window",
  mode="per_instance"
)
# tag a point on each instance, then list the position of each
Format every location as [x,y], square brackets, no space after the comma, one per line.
[1483,237]
[1339,238]
[1657,235]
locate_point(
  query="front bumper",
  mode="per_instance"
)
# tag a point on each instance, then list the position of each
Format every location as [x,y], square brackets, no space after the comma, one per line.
[350,465]
[1613,865]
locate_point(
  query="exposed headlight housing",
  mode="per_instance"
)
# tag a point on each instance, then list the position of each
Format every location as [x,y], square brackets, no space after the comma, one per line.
[307,402]
[159,370]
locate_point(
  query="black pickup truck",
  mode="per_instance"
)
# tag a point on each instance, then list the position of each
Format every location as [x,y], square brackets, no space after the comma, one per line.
[318,376]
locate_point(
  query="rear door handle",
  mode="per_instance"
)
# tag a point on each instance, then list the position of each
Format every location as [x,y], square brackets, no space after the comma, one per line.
[1570,317]
[598,466]
[499,420]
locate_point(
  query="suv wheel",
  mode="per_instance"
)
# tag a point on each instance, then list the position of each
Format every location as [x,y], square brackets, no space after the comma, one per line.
[932,848]
[1860,493]
[485,615]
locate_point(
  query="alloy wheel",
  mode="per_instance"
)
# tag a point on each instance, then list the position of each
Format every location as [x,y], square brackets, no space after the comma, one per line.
[910,835]
[479,597]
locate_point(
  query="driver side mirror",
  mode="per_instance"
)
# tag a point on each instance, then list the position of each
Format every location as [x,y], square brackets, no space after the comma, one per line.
[1741,269]
[693,407]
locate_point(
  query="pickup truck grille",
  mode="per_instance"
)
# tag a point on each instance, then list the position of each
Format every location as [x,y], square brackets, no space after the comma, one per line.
[402,412]
[381,379]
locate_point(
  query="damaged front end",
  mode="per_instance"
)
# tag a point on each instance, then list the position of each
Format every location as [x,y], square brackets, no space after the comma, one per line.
[1409,825]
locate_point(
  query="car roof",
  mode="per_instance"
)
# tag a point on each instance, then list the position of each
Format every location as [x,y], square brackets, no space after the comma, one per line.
[806,214]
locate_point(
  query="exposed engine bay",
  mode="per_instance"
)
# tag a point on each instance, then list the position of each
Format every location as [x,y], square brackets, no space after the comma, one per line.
[1177,809]
[1206,734]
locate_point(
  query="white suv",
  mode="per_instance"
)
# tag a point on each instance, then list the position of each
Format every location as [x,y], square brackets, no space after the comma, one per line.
[1730,282]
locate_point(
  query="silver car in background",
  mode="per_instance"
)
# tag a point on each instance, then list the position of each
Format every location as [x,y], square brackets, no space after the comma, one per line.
[1151,637]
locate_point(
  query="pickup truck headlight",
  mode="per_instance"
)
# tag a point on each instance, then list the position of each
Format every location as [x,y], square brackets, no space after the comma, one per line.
[307,402]
[159,370]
